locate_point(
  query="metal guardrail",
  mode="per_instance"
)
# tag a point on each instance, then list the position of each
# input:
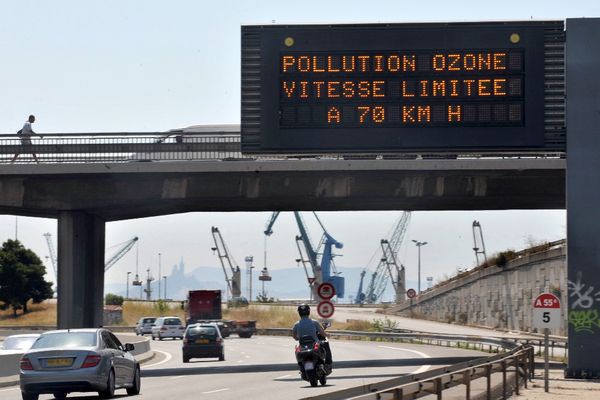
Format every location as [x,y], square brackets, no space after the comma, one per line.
[124,147]
[518,362]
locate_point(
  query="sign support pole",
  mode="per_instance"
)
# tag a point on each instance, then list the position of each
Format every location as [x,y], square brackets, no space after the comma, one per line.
[546,362]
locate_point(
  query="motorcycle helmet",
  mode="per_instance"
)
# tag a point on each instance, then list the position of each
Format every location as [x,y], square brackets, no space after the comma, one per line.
[304,310]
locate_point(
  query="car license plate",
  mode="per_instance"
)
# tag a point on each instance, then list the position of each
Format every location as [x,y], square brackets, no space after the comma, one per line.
[202,341]
[59,362]
[309,365]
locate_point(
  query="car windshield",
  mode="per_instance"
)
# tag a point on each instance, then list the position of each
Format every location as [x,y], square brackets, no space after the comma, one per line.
[202,332]
[18,343]
[66,340]
[172,321]
[149,320]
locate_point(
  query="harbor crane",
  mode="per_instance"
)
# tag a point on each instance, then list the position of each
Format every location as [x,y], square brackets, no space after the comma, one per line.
[321,268]
[360,295]
[123,249]
[234,284]
[53,259]
[388,252]
[478,245]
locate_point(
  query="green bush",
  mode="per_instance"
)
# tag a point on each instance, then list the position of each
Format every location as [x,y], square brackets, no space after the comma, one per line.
[113,300]
[380,325]
[161,307]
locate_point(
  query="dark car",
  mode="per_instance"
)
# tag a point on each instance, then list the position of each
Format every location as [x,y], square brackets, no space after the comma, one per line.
[78,360]
[202,341]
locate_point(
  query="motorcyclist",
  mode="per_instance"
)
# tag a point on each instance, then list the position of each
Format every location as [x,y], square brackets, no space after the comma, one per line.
[309,327]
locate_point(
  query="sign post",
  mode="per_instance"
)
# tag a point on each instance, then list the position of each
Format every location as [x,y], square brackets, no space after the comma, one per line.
[325,308]
[411,293]
[546,315]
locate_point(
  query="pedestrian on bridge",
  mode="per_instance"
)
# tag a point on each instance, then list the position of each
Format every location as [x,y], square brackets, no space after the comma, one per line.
[26,133]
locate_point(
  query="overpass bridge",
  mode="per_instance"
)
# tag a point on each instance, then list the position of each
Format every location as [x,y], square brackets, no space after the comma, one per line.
[134,175]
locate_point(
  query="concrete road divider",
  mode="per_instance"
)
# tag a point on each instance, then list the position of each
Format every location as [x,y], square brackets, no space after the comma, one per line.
[9,362]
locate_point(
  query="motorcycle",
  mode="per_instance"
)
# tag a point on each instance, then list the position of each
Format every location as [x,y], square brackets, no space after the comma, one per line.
[311,357]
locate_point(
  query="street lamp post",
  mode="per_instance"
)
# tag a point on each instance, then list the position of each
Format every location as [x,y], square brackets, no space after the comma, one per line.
[159,267]
[127,288]
[249,267]
[419,245]
[165,278]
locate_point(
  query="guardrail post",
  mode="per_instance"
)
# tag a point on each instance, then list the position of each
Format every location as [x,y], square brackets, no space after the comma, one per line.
[488,377]
[525,369]
[531,355]
[503,363]
[516,374]
[438,388]
[398,394]
[467,382]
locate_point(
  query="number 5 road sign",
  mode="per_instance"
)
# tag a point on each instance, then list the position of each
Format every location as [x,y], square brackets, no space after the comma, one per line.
[546,311]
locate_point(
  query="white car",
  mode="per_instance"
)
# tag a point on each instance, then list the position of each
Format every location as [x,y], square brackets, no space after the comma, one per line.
[19,342]
[167,327]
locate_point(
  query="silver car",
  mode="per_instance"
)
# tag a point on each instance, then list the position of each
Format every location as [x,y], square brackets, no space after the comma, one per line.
[78,360]
[144,325]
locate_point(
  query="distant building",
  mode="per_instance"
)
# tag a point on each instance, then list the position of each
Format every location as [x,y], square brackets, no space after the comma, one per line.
[113,315]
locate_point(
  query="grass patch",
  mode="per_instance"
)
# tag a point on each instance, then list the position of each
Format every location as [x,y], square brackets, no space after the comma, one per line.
[265,316]
[134,310]
[39,314]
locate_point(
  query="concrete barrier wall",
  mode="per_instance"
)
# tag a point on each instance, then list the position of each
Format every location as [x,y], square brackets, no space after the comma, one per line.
[9,364]
[497,297]
[141,343]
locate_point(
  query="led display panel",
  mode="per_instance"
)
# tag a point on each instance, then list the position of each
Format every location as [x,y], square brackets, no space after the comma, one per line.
[392,87]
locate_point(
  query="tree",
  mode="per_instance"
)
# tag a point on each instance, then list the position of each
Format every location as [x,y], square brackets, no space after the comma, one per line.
[113,299]
[21,277]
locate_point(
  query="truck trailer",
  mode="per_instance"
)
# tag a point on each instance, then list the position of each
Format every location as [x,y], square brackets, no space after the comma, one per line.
[206,306]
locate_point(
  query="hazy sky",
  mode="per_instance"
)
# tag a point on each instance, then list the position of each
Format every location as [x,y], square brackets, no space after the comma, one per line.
[156,65]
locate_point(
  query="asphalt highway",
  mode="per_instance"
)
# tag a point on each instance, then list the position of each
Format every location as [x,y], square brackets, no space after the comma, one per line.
[263,367]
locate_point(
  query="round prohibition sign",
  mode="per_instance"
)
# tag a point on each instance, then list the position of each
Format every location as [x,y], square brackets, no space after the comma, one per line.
[410,293]
[326,291]
[325,309]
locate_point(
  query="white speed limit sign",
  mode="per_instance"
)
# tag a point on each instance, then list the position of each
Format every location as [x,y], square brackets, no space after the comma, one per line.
[546,311]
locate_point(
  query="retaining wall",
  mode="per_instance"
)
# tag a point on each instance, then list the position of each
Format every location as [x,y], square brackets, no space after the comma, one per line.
[496,297]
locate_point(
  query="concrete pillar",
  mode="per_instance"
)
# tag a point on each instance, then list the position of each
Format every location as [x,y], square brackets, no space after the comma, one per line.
[80,270]
[583,196]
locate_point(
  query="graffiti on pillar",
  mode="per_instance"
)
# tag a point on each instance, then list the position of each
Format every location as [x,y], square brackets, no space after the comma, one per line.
[584,320]
[583,315]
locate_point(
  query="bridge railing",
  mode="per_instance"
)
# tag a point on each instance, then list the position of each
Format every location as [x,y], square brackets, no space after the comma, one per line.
[118,147]
[125,147]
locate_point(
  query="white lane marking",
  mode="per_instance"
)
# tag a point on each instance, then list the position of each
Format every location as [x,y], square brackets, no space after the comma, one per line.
[423,355]
[282,377]
[408,350]
[168,357]
[176,377]
[8,390]
[216,391]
